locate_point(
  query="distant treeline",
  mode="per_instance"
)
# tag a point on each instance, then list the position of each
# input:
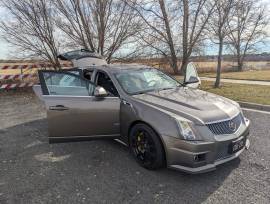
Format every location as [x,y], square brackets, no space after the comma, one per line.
[206,58]
[250,57]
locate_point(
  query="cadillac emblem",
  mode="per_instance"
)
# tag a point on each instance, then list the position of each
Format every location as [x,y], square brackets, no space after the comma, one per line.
[232,126]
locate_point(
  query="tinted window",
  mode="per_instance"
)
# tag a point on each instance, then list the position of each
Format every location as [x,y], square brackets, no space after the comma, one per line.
[67,84]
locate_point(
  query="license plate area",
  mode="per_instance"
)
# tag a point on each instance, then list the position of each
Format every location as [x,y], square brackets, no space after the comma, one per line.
[237,145]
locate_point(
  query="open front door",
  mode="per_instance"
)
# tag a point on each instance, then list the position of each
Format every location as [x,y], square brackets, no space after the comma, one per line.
[73,112]
[37,88]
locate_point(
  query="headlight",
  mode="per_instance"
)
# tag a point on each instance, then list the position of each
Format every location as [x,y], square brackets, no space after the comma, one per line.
[186,130]
[246,121]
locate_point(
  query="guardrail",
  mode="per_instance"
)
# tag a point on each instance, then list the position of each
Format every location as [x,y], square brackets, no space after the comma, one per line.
[11,81]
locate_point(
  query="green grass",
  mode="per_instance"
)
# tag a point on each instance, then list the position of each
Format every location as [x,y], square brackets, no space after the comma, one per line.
[240,92]
[263,75]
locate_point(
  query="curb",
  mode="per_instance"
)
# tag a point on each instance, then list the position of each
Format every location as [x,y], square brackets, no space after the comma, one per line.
[254,106]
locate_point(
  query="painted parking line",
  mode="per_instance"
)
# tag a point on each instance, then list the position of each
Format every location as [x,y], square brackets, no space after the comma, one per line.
[257,111]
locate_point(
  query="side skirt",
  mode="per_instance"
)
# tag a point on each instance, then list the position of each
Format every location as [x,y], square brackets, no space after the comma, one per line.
[81,138]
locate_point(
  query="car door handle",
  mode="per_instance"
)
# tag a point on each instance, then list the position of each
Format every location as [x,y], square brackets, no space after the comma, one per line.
[126,103]
[58,108]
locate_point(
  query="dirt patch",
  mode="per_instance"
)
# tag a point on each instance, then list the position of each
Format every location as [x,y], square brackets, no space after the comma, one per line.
[19,106]
[50,157]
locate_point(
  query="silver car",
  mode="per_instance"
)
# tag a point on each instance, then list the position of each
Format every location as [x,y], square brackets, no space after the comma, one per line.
[164,122]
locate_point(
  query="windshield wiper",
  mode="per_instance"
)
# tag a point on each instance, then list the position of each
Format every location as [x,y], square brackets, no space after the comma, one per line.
[168,88]
[142,92]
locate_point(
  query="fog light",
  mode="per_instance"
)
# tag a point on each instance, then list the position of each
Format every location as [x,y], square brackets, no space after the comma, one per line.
[199,157]
[247,144]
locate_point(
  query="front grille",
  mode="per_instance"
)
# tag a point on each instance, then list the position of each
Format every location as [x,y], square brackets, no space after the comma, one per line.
[226,127]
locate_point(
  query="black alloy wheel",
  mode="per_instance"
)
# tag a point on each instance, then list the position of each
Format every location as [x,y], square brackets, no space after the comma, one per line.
[146,147]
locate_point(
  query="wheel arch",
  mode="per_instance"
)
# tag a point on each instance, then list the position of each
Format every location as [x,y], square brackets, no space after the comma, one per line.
[159,136]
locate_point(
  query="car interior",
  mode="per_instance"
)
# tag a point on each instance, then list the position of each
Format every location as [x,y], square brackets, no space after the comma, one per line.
[87,74]
[104,81]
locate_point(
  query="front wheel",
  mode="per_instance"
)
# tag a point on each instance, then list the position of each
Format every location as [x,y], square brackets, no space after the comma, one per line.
[146,147]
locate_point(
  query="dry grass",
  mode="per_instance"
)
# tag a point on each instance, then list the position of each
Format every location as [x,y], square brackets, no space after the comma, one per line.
[16,71]
[263,75]
[210,66]
[203,67]
[230,66]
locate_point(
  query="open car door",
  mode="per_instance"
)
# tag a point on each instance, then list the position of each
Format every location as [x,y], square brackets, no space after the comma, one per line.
[37,87]
[73,112]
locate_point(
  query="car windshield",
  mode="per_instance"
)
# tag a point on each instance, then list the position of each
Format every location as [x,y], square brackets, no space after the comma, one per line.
[145,80]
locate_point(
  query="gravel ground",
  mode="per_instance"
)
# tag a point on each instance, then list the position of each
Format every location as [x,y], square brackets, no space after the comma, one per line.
[33,171]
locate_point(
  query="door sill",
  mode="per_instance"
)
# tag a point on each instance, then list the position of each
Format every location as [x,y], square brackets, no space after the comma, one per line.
[81,138]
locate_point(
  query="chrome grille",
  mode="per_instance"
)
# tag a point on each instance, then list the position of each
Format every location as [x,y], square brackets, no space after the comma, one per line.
[226,127]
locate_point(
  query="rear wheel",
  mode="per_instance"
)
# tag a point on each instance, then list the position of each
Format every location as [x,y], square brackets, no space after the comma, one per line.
[146,147]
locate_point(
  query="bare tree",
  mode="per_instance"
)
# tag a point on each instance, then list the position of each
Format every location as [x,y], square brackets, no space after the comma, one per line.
[157,37]
[99,25]
[247,28]
[163,32]
[31,28]
[168,36]
[196,14]
[218,26]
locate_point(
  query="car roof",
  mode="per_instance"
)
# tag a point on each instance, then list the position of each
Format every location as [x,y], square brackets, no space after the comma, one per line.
[115,68]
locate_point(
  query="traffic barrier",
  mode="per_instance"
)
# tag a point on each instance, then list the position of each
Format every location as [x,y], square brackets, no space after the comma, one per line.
[31,66]
[22,76]
[16,76]
[12,86]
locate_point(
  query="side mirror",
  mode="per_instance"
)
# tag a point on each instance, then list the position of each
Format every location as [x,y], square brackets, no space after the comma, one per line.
[191,78]
[100,92]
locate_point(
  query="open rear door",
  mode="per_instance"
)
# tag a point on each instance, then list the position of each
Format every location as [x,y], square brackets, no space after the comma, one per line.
[73,112]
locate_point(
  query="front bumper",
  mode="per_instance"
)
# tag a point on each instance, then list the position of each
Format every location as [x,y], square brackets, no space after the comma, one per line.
[209,167]
[201,157]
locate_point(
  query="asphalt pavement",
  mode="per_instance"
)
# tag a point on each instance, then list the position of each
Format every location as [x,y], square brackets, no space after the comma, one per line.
[102,171]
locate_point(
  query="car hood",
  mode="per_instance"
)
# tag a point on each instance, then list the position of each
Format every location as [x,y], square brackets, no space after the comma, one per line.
[193,104]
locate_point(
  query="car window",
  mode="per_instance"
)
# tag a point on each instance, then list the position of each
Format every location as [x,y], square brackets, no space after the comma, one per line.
[77,72]
[105,81]
[145,80]
[59,83]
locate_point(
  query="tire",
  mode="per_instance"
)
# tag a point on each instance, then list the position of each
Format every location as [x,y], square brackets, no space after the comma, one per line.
[146,147]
